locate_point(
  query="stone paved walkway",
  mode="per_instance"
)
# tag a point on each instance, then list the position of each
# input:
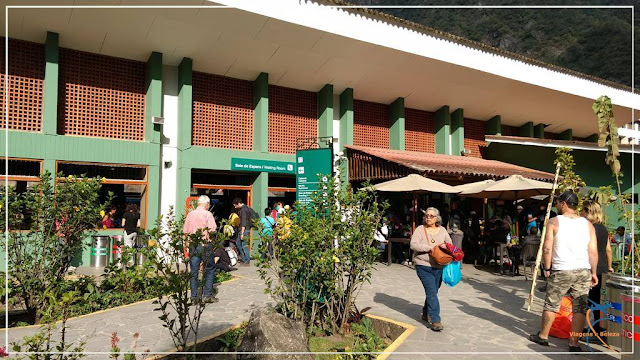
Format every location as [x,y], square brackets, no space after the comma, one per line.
[485,313]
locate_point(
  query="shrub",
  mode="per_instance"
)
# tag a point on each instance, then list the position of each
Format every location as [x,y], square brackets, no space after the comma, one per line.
[335,232]
[57,224]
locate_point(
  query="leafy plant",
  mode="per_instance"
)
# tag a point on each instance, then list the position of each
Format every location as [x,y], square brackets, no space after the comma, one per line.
[41,346]
[180,313]
[603,109]
[231,340]
[57,224]
[570,179]
[366,339]
[336,231]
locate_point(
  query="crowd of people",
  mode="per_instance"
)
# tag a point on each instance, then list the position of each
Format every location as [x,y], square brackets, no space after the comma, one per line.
[224,257]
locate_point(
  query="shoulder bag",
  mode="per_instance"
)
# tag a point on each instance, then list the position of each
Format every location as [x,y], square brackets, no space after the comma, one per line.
[440,256]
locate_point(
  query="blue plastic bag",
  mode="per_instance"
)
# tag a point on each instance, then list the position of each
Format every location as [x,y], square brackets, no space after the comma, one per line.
[451,274]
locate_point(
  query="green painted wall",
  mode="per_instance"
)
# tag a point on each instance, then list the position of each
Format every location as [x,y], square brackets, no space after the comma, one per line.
[592,138]
[526,130]
[396,124]
[538,131]
[259,202]
[566,135]
[590,165]
[185,126]
[261,113]
[325,111]
[50,101]
[443,125]
[494,126]
[346,118]
[153,134]
[457,132]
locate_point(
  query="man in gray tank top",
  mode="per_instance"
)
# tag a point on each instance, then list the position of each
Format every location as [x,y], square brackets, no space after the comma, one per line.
[570,259]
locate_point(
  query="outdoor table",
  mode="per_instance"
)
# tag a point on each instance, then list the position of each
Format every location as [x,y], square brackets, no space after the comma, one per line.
[396,240]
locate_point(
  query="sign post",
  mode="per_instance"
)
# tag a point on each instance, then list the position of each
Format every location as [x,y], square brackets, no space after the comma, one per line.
[311,161]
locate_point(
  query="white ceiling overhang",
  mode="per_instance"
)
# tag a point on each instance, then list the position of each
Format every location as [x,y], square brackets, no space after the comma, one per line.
[305,46]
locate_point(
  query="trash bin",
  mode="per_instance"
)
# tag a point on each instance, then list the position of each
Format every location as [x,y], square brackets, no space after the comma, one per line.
[100,251]
[141,244]
[117,242]
[630,322]
[616,286]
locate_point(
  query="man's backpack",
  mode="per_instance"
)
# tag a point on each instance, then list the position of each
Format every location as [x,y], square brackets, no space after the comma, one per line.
[254,216]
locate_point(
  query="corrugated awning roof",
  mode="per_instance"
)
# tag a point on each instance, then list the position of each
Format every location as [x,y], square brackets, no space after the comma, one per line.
[438,164]
[573,144]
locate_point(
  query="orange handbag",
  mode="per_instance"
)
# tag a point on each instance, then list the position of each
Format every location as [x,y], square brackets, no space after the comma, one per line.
[440,256]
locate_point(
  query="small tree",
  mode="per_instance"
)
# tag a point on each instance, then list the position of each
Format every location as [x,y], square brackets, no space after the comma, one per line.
[57,222]
[603,109]
[570,179]
[180,313]
[334,233]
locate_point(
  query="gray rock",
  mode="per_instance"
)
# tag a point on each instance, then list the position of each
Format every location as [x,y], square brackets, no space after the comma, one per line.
[270,332]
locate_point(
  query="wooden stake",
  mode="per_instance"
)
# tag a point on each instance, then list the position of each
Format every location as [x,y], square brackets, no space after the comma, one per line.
[542,237]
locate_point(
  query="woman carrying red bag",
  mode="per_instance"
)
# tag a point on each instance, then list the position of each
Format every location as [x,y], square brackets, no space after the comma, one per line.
[425,239]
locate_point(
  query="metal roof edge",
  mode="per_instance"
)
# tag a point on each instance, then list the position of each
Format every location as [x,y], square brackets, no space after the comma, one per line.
[576,145]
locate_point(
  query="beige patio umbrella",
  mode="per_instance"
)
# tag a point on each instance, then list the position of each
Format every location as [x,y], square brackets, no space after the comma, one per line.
[474,186]
[512,188]
[416,184]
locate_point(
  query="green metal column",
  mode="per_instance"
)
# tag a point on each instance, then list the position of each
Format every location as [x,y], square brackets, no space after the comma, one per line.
[494,126]
[566,135]
[346,133]
[50,166]
[50,90]
[396,124]
[457,132]
[443,132]
[259,201]
[346,117]
[261,113]
[592,138]
[185,126]
[538,131]
[526,130]
[325,111]
[153,135]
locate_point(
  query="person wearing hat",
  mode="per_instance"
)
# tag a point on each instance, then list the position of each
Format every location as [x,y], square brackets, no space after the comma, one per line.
[570,260]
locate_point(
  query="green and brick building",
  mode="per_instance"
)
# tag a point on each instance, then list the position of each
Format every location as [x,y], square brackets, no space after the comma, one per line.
[88,86]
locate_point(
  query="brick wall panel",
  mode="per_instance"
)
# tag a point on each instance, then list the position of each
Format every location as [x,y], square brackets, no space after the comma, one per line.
[101,96]
[222,112]
[25,84]
[474,132]
[370,124]
[419,134]
[293,114]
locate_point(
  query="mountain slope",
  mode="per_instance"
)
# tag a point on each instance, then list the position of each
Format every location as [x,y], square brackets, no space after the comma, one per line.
[592,41]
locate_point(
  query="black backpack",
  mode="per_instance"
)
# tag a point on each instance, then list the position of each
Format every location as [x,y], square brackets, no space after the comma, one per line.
[254,216]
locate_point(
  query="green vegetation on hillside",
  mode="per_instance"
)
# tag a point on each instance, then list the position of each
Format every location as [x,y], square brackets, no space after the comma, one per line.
[592,41]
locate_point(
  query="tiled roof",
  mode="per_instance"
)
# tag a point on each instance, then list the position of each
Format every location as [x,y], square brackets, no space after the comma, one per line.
[427,163]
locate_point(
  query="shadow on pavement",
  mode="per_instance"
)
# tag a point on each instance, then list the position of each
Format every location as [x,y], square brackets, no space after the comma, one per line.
[400,305]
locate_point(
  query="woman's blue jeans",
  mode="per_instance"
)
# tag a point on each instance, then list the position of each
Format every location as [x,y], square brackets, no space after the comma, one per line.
[431,279]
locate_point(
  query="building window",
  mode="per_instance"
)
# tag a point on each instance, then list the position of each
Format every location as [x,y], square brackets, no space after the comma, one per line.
[127,183]
[23,174]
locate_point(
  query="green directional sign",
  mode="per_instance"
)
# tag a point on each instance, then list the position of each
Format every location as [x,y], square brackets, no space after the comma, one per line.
[282,167]
[310,164]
